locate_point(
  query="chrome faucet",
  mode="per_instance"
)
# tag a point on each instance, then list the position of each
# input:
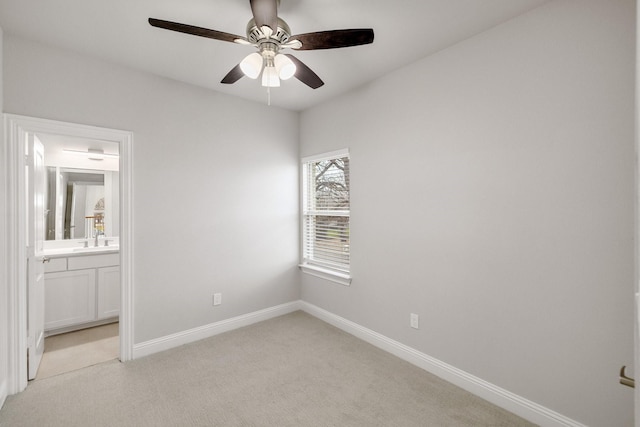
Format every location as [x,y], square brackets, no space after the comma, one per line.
[96,241]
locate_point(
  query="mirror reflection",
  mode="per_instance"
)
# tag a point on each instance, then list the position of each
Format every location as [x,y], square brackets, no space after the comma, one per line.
[81,203]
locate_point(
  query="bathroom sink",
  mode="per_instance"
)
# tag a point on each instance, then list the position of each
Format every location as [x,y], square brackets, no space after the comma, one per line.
[97,249]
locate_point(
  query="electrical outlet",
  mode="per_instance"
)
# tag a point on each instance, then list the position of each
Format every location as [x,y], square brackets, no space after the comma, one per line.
[415,320]
[217,299]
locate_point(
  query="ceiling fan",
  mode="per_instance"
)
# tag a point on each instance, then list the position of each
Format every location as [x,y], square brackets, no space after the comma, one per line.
[270,34]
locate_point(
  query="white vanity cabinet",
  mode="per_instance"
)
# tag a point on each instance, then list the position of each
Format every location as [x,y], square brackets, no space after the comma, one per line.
[108,292]
[80,290]
[69,298]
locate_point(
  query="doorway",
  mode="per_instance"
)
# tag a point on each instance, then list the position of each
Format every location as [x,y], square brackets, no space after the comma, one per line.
[81,207]
[19,131]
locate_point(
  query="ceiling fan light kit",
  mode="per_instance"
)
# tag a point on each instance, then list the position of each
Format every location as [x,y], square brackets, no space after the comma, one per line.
[286,68]
[270,76]
[251,65]
[269,34]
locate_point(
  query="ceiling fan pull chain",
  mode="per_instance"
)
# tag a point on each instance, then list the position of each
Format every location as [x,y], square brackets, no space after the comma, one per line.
[269,96]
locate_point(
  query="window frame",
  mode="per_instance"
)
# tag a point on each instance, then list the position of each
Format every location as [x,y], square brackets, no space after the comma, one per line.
[337,275]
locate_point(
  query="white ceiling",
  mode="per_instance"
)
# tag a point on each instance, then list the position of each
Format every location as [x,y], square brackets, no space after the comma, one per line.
[118,31]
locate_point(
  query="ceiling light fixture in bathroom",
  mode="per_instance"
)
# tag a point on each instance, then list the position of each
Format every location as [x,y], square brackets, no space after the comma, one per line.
[92,153]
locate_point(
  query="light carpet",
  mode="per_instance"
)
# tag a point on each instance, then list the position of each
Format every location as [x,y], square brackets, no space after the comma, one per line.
[294,370]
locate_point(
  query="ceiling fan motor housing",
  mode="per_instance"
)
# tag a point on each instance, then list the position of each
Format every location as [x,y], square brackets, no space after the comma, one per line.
[257,36]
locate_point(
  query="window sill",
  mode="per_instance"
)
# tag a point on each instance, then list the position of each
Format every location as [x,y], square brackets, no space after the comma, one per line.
[325,273]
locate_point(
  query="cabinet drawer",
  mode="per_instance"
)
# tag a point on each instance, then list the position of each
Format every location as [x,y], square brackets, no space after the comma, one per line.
[93,261]
[55,264]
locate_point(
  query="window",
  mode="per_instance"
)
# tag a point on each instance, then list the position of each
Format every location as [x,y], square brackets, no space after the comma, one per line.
[325,236]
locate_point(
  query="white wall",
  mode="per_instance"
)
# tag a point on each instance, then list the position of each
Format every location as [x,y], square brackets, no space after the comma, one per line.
[492,194]
[4,319]
[214,183]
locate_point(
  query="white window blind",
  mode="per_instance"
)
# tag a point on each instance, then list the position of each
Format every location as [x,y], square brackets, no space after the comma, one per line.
[326,211]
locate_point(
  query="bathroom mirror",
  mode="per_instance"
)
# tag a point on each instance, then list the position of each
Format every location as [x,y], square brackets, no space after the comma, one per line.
[81,203]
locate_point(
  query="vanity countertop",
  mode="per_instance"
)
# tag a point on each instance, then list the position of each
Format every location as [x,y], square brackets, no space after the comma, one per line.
[80,251]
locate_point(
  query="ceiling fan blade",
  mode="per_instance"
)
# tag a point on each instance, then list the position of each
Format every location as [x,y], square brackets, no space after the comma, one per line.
[233,76]
[196,31]
[334,39]
[305,74]
[265,12]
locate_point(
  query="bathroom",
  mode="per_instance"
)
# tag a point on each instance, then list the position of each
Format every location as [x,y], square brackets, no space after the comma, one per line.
[80,252]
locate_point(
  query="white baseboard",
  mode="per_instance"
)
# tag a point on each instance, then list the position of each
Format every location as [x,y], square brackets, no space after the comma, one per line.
[174,340]
[505,399]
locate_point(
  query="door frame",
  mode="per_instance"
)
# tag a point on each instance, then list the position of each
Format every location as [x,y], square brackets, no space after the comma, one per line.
[16,129]
[636,326]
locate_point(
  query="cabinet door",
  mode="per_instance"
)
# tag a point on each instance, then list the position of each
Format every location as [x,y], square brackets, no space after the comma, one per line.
[108,292]
[70,298]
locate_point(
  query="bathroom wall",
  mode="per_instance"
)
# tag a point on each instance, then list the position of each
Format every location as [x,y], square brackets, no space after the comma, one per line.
[215,196]
[492,195]
[112,200]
